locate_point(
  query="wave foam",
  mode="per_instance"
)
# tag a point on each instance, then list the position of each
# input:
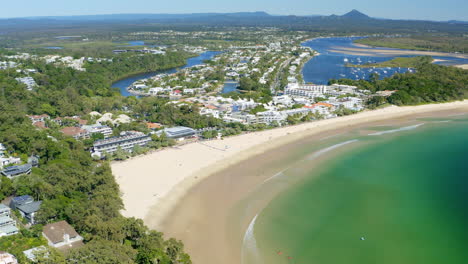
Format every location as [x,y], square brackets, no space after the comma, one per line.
[396,130]
[325,150]
[250,252]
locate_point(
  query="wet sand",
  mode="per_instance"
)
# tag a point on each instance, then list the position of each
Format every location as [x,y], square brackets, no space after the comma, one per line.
[211,208]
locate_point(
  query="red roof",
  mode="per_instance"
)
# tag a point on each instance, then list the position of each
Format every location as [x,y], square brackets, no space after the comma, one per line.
[323,104]
[72,131]
[40,125]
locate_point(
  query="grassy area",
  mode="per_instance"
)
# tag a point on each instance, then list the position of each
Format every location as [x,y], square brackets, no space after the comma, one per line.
[426,43]
[405,62]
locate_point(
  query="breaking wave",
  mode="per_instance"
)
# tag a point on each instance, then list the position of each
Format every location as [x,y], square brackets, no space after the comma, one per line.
[396,130]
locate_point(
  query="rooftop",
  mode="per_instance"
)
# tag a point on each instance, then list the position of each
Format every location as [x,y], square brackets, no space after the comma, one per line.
[179,131]
[30,207]
[8,229]
[55,231]
[127,136]
[17,170]
[72,131]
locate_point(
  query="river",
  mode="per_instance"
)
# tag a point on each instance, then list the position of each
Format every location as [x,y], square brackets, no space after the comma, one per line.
[127,82]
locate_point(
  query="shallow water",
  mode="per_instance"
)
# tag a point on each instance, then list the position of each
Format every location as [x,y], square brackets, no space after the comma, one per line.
[398,197]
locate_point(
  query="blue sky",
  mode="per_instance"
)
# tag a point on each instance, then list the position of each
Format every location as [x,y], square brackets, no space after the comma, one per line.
[397,9]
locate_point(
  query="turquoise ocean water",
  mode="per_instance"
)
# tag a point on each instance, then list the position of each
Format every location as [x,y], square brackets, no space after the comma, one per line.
[399,195]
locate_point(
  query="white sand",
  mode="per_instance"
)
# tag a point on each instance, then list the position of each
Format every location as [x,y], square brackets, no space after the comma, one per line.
[157,181]
[363,50]
[463,66]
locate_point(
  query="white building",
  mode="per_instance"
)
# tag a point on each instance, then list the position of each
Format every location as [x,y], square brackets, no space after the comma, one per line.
[269,117]
[126,141]
[29,81]
[97,128]
[7,258]
[306,90]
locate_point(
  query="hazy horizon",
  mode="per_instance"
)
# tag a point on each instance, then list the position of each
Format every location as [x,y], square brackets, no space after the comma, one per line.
[399,9]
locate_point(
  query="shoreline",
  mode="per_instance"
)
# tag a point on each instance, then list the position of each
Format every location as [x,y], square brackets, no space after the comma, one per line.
[364,50]
[158,181]
[203,209]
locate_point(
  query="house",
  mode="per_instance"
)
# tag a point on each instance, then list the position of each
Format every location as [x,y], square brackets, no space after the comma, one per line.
[38,118]
[4,210]
[20,200]
[7,226]
[2,149]
[7,258]
[17,170]
[75,132]
[61,235]
[98,129]
[32,253]
[4,161]
[29,210]
[28,81]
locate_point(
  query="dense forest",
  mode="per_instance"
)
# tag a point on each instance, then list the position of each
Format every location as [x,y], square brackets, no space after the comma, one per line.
[84,193]
[71,185]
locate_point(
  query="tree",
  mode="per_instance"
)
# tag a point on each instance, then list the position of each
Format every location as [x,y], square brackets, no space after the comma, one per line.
[102,252]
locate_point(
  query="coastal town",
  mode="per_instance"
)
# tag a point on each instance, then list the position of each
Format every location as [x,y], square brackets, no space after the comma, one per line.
[101,135]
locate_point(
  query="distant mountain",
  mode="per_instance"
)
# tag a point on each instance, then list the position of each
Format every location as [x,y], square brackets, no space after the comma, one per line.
[354,14]
[457,22]
[351,22]
[137,17]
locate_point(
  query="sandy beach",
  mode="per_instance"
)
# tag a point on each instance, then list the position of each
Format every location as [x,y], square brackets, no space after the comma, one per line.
[363,50]
[163,189]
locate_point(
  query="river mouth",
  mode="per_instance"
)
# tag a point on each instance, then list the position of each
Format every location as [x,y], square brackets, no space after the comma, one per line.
[335,53]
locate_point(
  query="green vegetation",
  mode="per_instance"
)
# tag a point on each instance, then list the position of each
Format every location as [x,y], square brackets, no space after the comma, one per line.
[404,62]
[441,43]
[430,84]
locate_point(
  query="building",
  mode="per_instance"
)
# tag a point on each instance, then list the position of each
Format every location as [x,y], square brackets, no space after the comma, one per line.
[29,210]
[20,200]
[306,90]
[269,117]
[2,149]
[61,235]
[7,226]
[39,118]
[126,141]
[75,132]
[17,170]
[29,81]
[179,133]
[32,253]
[7,258]
[4,210]
[5,161]
[98,129]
